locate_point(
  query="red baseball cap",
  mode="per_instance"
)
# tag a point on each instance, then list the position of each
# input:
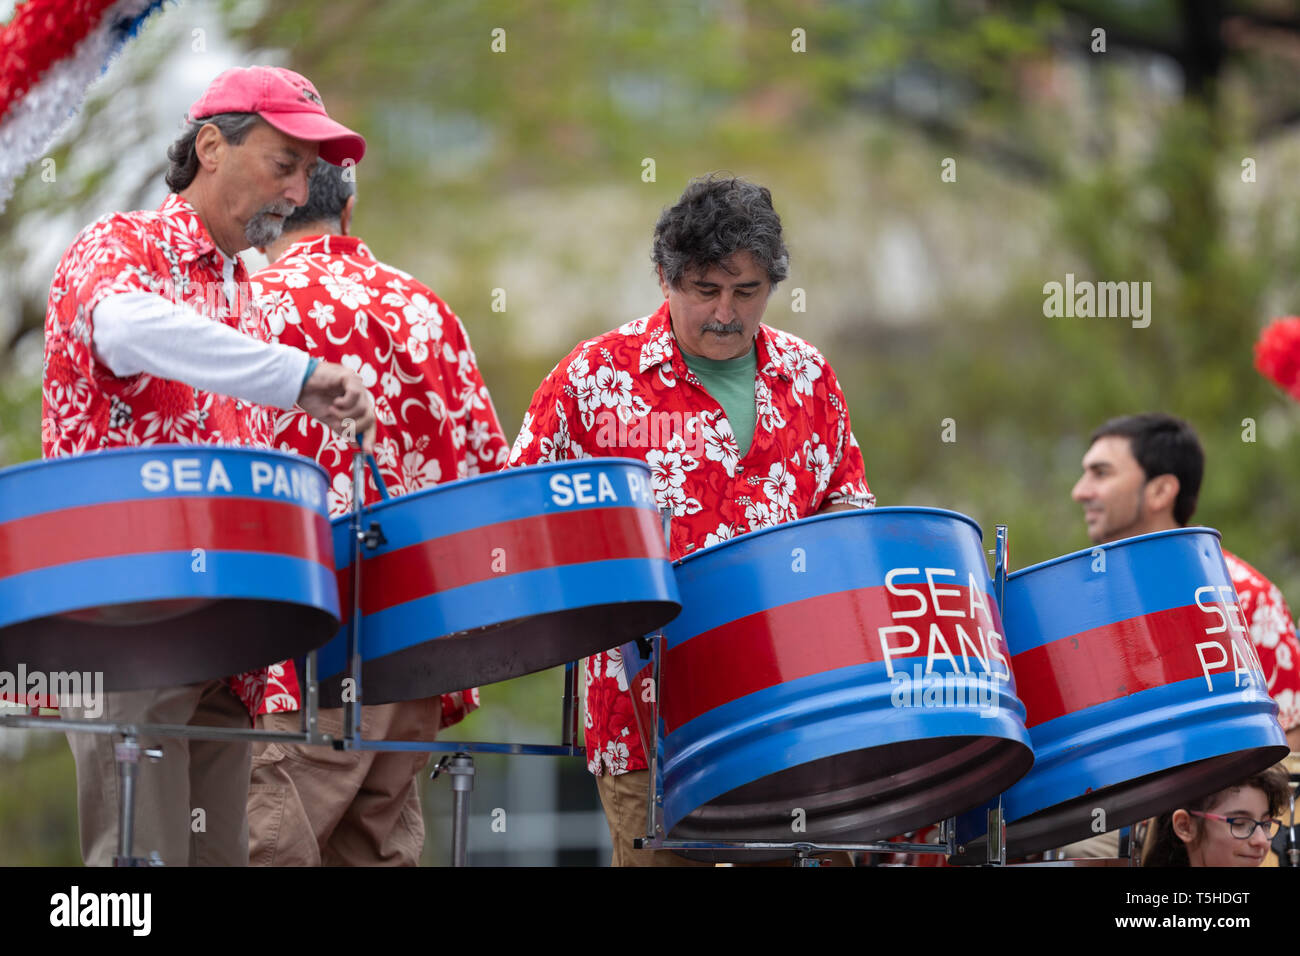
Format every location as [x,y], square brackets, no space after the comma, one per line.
[287,101]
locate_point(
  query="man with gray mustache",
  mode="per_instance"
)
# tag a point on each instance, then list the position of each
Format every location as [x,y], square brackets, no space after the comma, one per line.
[148,339]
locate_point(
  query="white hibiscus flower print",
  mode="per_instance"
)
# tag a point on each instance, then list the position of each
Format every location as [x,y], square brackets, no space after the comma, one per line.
[421,472]
[722,533]
[587,394]
[615,756]
[817,459]
[779,485]
[666,469]
[719,441]
[417,343]
[279,310]
[656,351]
[614,667]
[351,293]
[769,416]
[759,515]
[423,313]
[322,313]
[635,327]
[340,494]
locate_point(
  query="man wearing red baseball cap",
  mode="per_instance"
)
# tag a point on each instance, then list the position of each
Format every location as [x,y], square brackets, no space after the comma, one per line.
[151,337]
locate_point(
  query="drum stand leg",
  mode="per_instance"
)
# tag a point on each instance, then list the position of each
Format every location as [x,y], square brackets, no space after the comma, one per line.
[127,754]
[461,768]
[655,793]
[997,837]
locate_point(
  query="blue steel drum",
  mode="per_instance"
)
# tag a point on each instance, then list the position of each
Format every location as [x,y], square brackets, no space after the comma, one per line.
[842,677]
[164,565]
[493,577]
[1141,687]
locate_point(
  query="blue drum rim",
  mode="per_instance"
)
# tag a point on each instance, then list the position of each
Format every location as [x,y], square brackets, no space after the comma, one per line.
[1114,545]
[504,473]
[749,536]
[155,449]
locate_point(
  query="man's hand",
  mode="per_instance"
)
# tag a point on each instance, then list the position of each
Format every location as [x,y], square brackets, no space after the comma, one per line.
[334,395]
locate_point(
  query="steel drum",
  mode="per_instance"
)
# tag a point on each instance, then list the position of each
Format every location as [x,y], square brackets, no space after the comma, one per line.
[493,577]
[841,677]
[1141,686]
[164,565]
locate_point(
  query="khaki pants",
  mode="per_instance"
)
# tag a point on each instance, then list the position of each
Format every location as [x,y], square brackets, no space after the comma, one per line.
[623,795]
[194,775]
[316,806]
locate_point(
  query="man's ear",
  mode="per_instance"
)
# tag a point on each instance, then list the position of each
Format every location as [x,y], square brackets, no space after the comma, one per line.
[1162,492]
[209,146]
[345,217]
[663,283]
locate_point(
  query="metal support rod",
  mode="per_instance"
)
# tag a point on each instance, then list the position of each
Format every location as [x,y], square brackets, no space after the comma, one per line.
[568,712]
[461,769]
[1001,566]
[352,702]
[655,793]
[311,700]
[127,754]
[996,840]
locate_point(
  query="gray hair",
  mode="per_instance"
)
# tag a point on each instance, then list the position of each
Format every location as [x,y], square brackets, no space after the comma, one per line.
[184,158]
[328,189]
[716,217]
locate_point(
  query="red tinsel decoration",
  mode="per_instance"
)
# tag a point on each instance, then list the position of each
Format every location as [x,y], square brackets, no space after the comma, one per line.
[41,33]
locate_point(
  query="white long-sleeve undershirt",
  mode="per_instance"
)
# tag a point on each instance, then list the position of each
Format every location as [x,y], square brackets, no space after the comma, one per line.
[143,332]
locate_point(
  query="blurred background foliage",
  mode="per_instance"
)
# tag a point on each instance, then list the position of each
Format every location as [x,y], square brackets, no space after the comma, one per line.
[1120,156]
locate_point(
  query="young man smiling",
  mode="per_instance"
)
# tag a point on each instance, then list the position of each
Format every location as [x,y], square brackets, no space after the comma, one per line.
[1142,473]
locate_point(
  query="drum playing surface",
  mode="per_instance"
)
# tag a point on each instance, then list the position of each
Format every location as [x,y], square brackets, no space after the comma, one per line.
[840,678]
[164,565]
[498,576]
[1141,686]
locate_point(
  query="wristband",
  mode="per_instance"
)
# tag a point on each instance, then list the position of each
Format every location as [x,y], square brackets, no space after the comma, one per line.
[312,362]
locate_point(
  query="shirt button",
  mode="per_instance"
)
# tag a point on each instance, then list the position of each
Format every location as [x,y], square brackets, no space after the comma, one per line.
[739,469]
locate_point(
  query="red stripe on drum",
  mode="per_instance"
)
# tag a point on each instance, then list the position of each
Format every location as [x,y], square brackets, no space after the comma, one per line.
[821,634]
[1105,663]
[149,525]
[527,544]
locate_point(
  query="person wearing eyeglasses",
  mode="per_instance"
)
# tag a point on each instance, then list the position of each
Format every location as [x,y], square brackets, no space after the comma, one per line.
[1230,828]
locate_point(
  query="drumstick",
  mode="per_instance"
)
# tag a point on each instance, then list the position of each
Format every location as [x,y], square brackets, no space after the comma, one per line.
[374,473]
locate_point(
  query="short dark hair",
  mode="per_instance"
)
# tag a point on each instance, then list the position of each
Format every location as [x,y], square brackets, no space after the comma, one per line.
[183,158]
[716,217]
[1163,445]
[328,189]
[1164,846]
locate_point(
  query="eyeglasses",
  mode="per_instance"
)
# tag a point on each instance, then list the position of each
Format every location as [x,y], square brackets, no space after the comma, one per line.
[1243,827]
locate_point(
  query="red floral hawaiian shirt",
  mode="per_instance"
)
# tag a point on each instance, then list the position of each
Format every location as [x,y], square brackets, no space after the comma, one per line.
[85,407]
[629,393]
[1272,631]
[329,296]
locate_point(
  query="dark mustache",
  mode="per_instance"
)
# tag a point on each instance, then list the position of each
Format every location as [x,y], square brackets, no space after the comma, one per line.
[720,327]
